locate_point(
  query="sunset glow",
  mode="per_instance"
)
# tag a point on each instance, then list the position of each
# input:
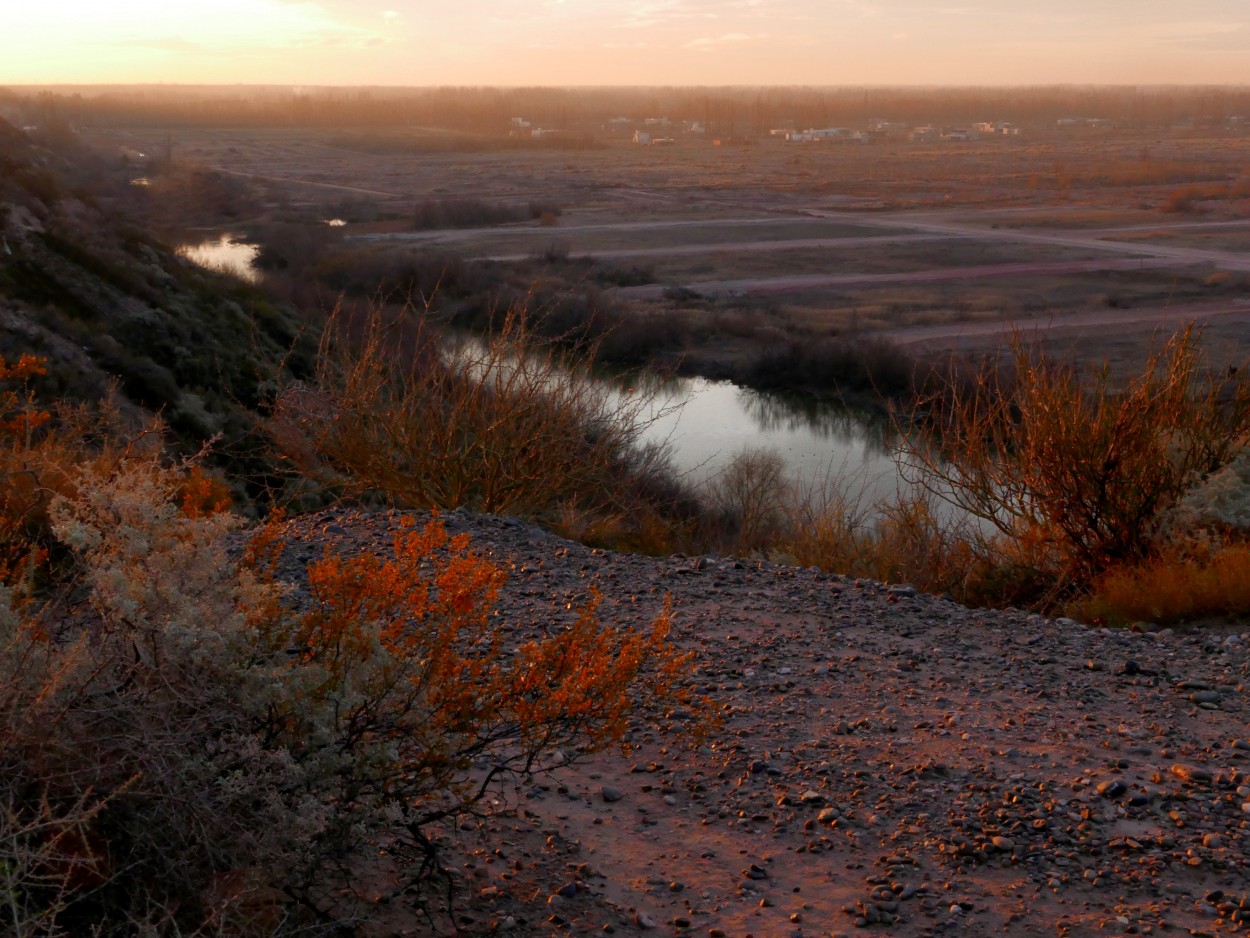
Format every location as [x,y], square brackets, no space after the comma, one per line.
[625,42]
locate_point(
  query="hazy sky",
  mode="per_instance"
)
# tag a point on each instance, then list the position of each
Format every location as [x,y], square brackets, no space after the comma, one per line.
[638,42]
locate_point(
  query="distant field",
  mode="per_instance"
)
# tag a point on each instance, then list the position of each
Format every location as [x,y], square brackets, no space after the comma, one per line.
[698,212]
[884,258]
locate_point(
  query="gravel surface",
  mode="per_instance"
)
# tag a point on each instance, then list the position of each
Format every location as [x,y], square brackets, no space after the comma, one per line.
[889,762]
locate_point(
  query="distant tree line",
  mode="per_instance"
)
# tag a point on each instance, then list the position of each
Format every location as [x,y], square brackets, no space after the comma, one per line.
[724,111]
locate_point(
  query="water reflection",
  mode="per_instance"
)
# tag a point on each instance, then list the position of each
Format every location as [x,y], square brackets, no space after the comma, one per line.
[790,413]
[226,254]
[706,423]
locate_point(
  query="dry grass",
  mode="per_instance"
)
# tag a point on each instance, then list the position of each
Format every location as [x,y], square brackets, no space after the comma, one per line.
[509,425]
[1180,585]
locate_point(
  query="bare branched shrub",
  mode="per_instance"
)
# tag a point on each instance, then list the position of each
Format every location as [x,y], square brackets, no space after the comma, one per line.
[1071,473]
[506,426]
[903,538]
[748,500]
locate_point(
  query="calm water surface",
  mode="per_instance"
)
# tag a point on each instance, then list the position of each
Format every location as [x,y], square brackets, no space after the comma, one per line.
[225,253]
[706,423]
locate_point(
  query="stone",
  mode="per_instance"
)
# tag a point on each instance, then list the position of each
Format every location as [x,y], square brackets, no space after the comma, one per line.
[1193,774]
[1111,788]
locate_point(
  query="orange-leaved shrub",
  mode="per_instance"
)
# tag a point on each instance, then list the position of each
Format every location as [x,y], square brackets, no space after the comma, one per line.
[188,748]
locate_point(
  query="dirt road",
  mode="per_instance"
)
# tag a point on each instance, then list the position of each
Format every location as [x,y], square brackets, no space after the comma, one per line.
[816,281]
[1112,321]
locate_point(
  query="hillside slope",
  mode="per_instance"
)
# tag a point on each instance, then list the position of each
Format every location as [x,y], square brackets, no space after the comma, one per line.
[886,759]
[84,285]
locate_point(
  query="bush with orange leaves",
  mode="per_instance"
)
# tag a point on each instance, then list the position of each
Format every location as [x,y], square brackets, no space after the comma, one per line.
[20,419]
[185,749]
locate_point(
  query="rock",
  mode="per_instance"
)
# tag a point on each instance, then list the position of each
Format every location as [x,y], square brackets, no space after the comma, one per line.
[1193,774]
[643,920]
[611,794]
[1111,788]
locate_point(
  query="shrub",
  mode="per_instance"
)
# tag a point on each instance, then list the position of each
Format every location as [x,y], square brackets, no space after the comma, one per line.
[1074,477]
[505,426]
[748,499]
[474,213]
[185,752]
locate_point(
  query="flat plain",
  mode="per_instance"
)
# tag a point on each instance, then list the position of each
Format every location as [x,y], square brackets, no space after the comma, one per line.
[1084,229]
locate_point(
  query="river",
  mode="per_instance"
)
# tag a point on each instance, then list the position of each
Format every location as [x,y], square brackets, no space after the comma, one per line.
[705,424]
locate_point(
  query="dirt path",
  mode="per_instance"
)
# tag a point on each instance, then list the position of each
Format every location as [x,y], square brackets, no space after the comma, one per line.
[1102,322]
[811,281]
[308,183]
[722,247]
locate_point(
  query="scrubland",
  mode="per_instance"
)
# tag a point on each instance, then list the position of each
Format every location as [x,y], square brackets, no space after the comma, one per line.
[190,749]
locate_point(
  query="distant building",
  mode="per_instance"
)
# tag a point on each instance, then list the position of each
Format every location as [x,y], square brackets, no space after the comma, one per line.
[642,138]
[818,133]
[924,134]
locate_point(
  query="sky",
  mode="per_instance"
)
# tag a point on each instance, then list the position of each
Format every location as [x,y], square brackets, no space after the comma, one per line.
[625,42]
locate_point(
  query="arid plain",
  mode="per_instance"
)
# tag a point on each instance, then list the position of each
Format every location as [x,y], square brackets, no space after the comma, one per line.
[1113,235]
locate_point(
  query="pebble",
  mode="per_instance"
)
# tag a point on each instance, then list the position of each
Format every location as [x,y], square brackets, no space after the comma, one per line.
[1111,788]
[1189,773]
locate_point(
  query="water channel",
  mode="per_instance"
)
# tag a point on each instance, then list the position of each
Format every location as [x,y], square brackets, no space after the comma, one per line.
[225,253]
[706,423]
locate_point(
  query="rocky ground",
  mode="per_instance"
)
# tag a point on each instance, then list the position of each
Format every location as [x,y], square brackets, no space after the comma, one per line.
[888,762]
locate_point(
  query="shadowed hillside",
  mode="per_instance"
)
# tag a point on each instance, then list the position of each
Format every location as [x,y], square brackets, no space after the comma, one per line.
[85,286]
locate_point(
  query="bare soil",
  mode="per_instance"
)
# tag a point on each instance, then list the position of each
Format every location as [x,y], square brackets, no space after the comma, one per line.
[887,762]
